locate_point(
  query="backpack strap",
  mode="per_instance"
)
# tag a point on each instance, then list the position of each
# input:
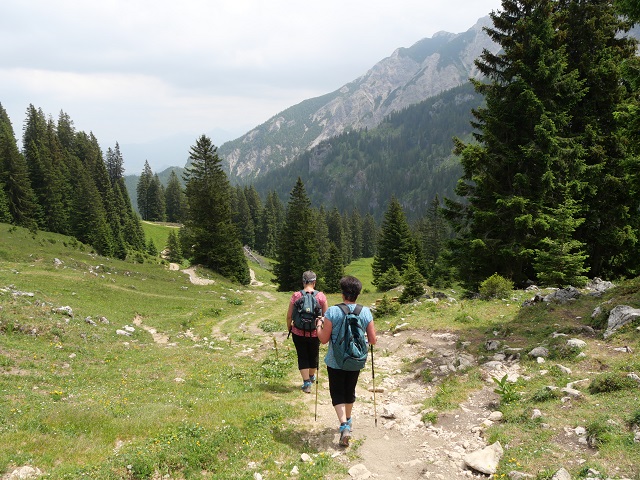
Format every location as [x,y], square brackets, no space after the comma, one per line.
[346,311]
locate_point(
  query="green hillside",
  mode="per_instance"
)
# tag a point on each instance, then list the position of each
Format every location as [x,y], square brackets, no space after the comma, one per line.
[205,383]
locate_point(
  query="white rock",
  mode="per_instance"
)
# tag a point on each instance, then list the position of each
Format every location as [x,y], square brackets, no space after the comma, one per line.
[536,414]
[305,457]
[576,343]
[561,474]
[485,460]
[539,352]
[563,369]
[294,471]
[257,476]
[359,472]
[123,332]
[496,416]
[25,472]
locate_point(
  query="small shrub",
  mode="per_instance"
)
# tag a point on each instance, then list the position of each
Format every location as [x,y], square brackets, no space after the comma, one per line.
[235,301]
[599,432]
[506,389]
[430,417]
[389,279]
[386,307]
[463,317]
[270,326]
[496,286]
[545,395]
[611,382]
[634,420]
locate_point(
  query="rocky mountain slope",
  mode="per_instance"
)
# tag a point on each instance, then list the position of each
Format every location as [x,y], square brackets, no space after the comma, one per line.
[408,76]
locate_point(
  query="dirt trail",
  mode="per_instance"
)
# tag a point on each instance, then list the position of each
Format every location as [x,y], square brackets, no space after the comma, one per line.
[402,447]
[399,445]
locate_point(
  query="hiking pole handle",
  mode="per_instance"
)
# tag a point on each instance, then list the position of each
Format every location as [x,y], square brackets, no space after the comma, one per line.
[373,382]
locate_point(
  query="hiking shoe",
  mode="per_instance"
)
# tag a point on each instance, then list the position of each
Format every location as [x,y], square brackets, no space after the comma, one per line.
[345,435]
[306,386]
[312,378]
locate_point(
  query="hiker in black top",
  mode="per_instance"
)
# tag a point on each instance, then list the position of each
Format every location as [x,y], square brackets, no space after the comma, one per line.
[306,339]
[342,382]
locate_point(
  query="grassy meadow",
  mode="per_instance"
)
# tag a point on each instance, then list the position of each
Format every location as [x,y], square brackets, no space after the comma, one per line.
[203,384]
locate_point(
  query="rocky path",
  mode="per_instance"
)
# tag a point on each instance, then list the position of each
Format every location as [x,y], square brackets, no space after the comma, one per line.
[401,445]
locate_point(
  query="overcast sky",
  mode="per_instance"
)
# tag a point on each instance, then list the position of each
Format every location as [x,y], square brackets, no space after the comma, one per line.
[144,71]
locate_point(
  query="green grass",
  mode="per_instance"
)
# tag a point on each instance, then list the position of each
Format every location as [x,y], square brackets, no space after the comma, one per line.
[158,232]
[78,400]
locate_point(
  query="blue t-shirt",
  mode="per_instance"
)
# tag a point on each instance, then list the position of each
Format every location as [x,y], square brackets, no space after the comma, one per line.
[336,316]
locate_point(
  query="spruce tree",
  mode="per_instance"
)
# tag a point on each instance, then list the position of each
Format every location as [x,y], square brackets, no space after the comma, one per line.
[142,190]
[155,200]
[559,260]
[395,242]
[173,247]
[413,282]
[522,159]
[297,245]
[5,214]
[336,233]
[209,224]
[174,199]
[599,51]
[267,240]
[369,236]
[322,241]
[14,173]
[334,270]
[356,225]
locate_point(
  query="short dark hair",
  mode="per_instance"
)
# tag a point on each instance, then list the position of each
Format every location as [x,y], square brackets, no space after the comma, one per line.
[351,287]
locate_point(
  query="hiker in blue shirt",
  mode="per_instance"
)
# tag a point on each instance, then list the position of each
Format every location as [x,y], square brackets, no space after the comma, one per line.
[342,383]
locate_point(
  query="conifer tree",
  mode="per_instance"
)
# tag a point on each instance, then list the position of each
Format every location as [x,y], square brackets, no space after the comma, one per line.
[356,224]
[336,233]
[598,50]
[14,173]
[297,245]
[142,190]
[522,160]
[369,236]
[322,241]
[243,218]
[559,260]
[115,163]
[395,242]
[155,199]
[413,282]
[334,270]
[267,241]
[209,224]
[5,214]
[174,199]
[173,247]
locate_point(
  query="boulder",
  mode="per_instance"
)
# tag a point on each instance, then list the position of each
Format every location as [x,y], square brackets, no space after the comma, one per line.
[485,460]
[619,316]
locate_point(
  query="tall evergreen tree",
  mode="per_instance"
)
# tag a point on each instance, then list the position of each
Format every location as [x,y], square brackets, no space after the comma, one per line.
[323,243]
[598,50]
[155,200]
[356,224]
[413,282]
[115,163]
[174,199]
[173,247]
[267,240]
[209,224]
[142,190]
[5,214]
[14,174]
[522,159]
[297,245]
[369,236]
[243,218]
[336,232]
[395,242]
[334,270]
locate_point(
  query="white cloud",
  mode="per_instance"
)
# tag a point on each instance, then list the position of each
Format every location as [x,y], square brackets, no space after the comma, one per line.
[135,70]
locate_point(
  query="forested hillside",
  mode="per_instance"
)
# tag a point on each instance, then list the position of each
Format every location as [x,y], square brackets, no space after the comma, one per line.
[409,155]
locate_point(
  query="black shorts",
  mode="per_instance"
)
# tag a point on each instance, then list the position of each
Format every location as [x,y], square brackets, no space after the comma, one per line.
[342,385]
[307,349]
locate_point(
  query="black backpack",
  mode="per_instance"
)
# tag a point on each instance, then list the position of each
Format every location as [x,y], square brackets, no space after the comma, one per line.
[350,348]
[305,311]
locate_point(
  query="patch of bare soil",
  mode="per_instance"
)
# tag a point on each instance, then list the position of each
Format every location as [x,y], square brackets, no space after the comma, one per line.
[401,445]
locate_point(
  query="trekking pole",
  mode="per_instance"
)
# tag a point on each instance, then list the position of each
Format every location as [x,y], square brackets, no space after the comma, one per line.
[315,413]
[373,382]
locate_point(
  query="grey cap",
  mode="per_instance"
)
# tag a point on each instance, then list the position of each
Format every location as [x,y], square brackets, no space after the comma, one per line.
[308,277]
